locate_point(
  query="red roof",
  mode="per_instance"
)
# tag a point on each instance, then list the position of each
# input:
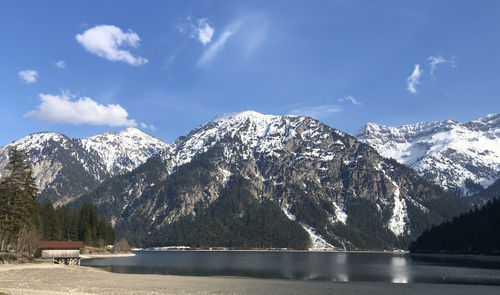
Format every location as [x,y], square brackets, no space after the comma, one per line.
[61,245]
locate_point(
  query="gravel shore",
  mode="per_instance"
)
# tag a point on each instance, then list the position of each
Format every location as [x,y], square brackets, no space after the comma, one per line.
[47,278]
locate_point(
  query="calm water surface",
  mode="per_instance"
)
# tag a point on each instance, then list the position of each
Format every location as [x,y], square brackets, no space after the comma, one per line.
[360,267]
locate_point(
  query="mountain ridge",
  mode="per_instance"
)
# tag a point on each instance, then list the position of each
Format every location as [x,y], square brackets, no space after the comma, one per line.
[60,162]
[457,156]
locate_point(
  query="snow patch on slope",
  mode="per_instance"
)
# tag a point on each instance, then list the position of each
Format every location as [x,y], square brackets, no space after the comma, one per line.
[318,243]
[340,214]
[399,222]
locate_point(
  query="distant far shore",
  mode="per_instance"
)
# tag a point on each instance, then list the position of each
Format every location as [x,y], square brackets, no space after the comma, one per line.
[45,278]
[171,249]
[458,257]
[106,255]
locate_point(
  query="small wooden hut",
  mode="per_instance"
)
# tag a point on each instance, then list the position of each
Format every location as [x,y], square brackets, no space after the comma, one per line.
[62,252]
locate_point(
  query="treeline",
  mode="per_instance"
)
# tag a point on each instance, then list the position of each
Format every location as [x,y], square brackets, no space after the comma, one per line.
[475,232]
[83,224]
[238,220]
[23,222]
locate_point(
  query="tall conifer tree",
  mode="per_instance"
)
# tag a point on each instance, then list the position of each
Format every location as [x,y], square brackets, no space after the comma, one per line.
[17,197]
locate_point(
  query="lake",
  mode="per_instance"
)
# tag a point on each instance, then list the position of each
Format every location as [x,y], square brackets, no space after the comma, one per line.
[328,266]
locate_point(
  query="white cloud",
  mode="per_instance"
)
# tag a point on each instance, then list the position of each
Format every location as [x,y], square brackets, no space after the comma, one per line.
[61,64]
[413,79]
[316,111]
[28,76]
[106,41]
[63,110]
[350,99]
[218,45]
[203,32]
[435,61]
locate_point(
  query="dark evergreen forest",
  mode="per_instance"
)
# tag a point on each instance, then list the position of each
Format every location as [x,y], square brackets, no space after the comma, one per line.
[237,219]
[83,224]
[475,232]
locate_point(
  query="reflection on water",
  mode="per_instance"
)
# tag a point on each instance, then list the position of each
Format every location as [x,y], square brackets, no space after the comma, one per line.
[343,267]
[399,270]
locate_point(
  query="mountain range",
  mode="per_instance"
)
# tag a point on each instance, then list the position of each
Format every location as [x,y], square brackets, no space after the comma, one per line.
[65,168]
[310,180]
[463,158]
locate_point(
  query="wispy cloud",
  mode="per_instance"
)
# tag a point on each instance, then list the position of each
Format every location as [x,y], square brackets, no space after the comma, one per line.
[63,109]
[61,64]
[414,79]
[28,76]
[317,112]
[254,33]
[146,126]
[199,29]
[211,52]
[351,99]
[169,61]
[434,61]
[106,41]
[202,31]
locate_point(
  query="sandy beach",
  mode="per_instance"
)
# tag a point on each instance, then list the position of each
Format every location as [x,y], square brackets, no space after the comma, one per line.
[44,278]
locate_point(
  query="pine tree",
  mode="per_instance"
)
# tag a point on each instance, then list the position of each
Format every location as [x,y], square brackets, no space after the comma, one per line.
[51,225]
[65,219]
[17,198]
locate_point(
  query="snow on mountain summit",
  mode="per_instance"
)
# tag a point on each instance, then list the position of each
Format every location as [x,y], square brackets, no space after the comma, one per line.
[37,140]
[34,143]
[66,168]
[452,154]
[123,151]
[258,133]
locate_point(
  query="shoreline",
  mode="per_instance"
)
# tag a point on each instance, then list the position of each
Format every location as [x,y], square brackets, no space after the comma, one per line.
[107,255]
[45,278]
[458,257]
[276,250]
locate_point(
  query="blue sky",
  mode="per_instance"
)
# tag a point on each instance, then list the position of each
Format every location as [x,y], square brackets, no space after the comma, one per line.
[83,68]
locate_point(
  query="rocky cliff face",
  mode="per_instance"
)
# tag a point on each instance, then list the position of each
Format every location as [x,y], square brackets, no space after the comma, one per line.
[340,190]
[65,168]
[461,157]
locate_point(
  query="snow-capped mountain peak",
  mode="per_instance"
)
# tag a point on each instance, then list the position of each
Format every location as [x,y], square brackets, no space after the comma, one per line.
[244,115]
[125,150]
[34,143]
[258,133]
[38,140]
[449,153]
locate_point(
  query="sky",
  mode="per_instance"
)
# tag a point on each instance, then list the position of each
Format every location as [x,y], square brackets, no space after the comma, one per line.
[82,68]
